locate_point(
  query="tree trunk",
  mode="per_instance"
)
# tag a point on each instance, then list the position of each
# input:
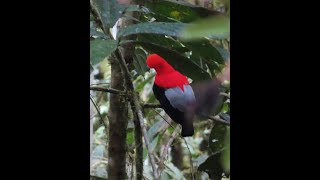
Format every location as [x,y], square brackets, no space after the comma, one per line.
[118,122]
[127,51]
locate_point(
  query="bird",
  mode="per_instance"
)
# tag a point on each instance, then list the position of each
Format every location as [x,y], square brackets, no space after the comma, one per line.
[174,93]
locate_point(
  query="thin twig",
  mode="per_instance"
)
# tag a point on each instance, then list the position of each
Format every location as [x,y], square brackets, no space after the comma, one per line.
[166,148]
[225,94]
[98,110]
[151,105]
[217,119]
[137,109]
[98,84]
[190,157]
[103,89]
[164,118]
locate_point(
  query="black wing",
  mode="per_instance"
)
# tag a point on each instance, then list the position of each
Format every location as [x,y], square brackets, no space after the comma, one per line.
[176,115]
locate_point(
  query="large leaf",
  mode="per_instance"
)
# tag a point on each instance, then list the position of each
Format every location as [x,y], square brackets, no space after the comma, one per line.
[110,11]
[213,166]
[98,151]
[175,172]
[136,8]
[162,40]
[155,129]
[94,32]
[217,27]
[217,137]
[141,85]
[164,28]
[154,143]
[224,53]
[177,9]
[178,61]
[139,59]
[203,48]
[100,49]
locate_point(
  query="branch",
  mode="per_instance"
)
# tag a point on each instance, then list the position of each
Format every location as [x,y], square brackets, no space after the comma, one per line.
[218,119]
[225,94]
[150,105]
[190,158]
[138,145]
[190,155]
[103,89]
[215,118]
[166,148]
[97,109]
[137,109]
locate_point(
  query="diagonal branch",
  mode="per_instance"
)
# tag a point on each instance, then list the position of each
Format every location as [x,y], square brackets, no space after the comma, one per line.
[165,150]
[190,157]
[137,109]
[95,105]
[103,89]
[217,119]
[151,105]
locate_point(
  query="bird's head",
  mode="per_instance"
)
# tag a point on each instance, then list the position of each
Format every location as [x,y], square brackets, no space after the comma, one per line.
[158,63]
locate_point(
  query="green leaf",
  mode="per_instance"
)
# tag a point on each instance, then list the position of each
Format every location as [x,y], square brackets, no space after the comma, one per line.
[203,48]
[94,32]
[155,129]
[100,49]
[181,63]
[217,27]
[139,60]
[213,166]
[164,175]
[224,53]
[100,135]
[225,108]
[177,9]
[143,83]
[201,159]
[154,143]
[136,8]
[130,137]
[145,153]
[98,151]
[110,11]
[217,137]
[162,40]
[176,172]
[164,28]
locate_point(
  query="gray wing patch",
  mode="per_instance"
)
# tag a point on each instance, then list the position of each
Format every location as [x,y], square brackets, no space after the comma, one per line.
[180,99]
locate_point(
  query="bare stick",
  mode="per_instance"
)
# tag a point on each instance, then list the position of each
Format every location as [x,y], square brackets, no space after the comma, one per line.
[166,148]
[103,89]
[95,105]
[149,105]
[217,119]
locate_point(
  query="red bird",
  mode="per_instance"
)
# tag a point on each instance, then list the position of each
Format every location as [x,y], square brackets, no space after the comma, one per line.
[174,93]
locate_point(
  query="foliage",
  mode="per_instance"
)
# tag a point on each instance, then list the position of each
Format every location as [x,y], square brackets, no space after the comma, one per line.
[195,40]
